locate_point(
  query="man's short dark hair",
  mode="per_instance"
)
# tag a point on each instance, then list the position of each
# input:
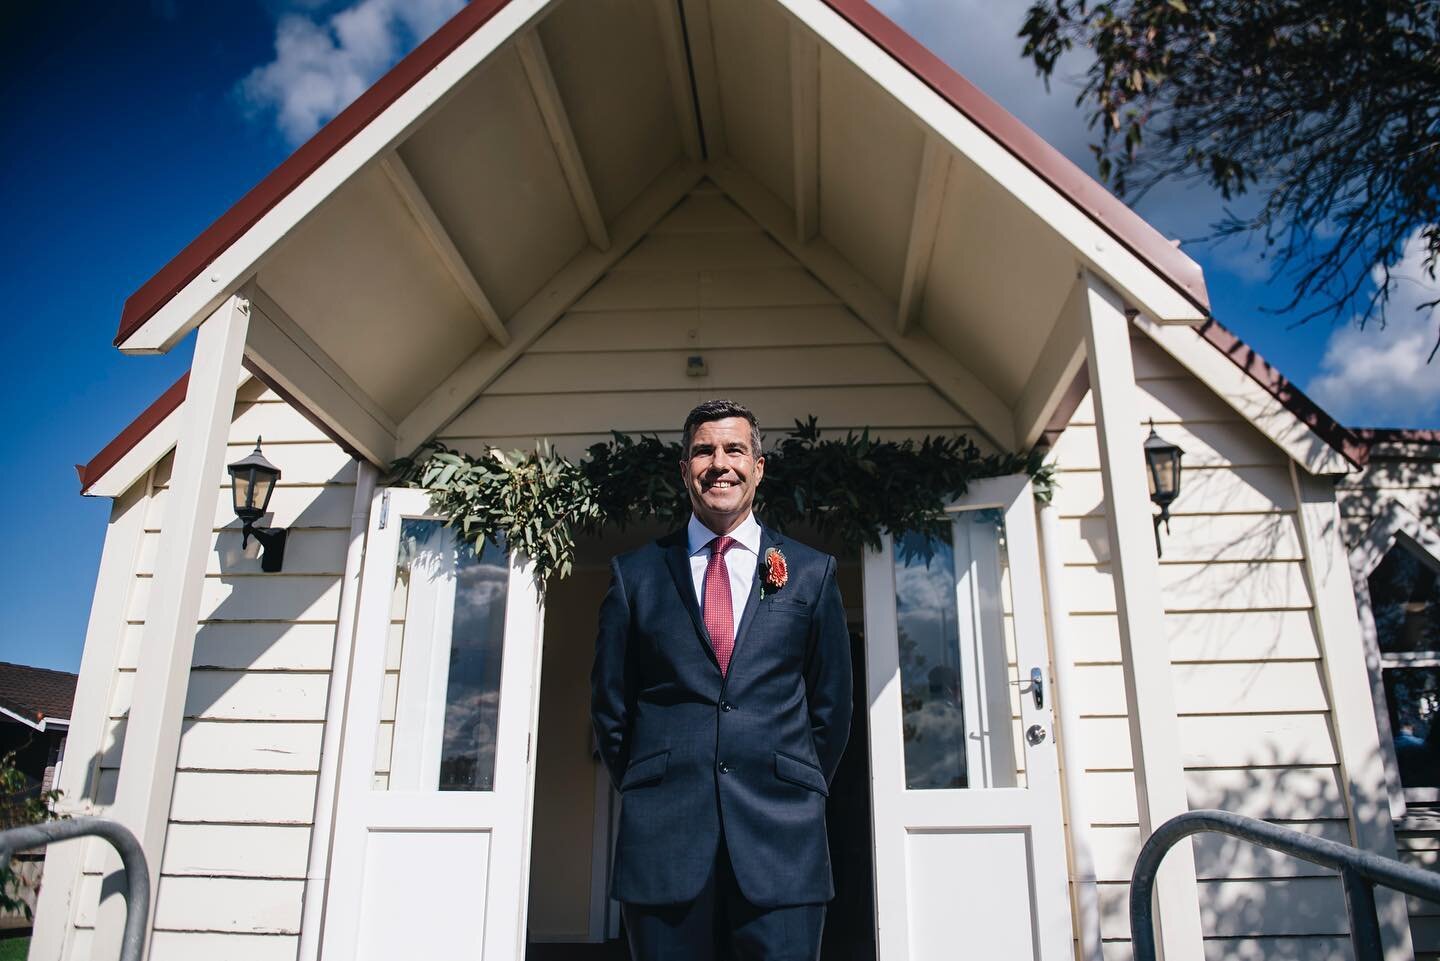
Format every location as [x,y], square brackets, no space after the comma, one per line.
[720,410]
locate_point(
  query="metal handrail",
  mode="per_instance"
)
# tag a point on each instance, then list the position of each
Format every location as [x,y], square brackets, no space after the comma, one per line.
[137,873]
[1359,872]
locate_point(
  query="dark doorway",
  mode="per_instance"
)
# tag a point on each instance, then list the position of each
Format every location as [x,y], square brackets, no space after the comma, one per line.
[850,918]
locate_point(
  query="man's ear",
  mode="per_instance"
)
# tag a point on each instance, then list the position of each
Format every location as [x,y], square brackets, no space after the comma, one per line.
[759,468]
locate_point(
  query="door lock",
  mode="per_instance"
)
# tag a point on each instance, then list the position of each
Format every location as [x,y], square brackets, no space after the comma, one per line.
[1035,734]
[1037,687]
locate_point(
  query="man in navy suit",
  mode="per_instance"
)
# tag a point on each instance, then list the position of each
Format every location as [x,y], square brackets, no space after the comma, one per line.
[721,701]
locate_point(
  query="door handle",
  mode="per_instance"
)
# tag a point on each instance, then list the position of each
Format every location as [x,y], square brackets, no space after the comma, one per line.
[1037,687]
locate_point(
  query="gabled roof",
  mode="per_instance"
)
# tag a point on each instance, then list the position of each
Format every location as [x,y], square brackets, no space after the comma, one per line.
[955,114]
[187,264]
[1112,215]
[36,695]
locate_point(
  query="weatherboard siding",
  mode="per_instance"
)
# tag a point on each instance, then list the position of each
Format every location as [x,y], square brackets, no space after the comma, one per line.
[1407,474]
[232,878]
[1255,717]
[705,281]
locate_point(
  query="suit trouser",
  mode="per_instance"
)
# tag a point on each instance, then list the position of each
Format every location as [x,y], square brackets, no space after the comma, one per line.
[721,924]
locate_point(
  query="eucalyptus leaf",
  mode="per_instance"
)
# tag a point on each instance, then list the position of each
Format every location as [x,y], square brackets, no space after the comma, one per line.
[852,487]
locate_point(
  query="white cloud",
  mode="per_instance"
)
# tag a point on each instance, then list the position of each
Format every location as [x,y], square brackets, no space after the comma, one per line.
[321,66]
[1378,377]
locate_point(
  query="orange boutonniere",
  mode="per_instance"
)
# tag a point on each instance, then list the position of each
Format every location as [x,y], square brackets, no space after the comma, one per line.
[777,572]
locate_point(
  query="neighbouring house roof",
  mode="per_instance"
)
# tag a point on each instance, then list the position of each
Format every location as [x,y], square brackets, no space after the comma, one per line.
[36,695]
[1375,436]
[1111,214]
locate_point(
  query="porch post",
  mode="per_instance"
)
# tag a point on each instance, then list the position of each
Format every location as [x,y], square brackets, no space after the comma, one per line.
[167,643]
[1357,738]
[1154,731]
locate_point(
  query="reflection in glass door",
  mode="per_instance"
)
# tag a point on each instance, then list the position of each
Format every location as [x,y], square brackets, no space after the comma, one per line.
[957,656]
[969,847]
[431,851]
[443,658]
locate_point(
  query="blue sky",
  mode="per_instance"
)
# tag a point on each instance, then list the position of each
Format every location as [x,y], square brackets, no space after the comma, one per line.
[131,125]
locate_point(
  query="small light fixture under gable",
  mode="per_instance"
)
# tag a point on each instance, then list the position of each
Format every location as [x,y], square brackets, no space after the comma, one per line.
[1162,471]
[253,481]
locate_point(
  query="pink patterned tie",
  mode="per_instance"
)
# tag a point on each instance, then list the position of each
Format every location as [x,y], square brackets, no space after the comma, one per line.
[719,614]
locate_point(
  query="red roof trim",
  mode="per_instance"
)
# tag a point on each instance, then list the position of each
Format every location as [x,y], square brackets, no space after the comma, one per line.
[1396,435]
[166,404]
[1292,398]
[217,238]
[1103,207]
[1100,205]
[149,419]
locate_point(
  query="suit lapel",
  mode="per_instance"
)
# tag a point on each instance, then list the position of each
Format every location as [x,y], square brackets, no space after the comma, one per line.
[677,558]
[768,539]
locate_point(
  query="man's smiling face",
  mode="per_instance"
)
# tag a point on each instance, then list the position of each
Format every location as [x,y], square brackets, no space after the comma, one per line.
[721,472]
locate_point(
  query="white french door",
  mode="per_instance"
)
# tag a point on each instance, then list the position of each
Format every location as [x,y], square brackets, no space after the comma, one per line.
[965,787]
[432,850]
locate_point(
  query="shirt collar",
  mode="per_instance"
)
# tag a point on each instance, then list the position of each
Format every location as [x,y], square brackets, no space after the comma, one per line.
[747,535]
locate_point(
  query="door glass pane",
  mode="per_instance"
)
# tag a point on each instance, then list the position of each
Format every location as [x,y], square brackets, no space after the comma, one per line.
[1405,602]
[1413,696]
[442,693]
[957,652]
[930,697]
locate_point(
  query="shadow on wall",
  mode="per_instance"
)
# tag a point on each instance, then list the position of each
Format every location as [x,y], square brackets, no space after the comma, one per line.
[1239,614]
[264,644]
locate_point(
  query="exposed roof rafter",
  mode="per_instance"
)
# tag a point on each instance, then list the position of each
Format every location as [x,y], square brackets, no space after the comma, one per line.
[479,370]
[706,76]
[414,198]
[562,135]
[946,375]
[677,67]
[1061,361]
[805,127]
[924,222]
[286,358]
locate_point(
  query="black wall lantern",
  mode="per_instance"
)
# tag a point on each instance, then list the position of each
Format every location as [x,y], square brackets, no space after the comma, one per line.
[254,480]
[1162,470]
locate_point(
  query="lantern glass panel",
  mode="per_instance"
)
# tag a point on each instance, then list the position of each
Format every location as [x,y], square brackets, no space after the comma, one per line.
[244,486]
[1163,477]
[264,487]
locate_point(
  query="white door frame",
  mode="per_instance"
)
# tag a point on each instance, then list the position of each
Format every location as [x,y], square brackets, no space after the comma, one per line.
[898,813]
[504,813]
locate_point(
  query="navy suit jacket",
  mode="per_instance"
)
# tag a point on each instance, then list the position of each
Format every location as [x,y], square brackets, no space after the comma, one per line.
[690,750]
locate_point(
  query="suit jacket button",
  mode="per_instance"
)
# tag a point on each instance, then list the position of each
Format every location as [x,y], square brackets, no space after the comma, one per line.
[726,706]
[724,767]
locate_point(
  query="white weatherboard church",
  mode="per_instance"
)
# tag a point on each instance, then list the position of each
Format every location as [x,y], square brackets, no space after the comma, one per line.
[527,230]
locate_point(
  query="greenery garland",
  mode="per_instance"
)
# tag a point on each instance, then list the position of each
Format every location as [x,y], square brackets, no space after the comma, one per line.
[851,488]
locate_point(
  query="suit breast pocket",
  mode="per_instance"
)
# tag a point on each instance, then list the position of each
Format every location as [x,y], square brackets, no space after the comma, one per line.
[789,606]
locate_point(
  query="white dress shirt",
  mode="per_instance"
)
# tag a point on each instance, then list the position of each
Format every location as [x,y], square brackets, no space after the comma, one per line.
[740,560]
